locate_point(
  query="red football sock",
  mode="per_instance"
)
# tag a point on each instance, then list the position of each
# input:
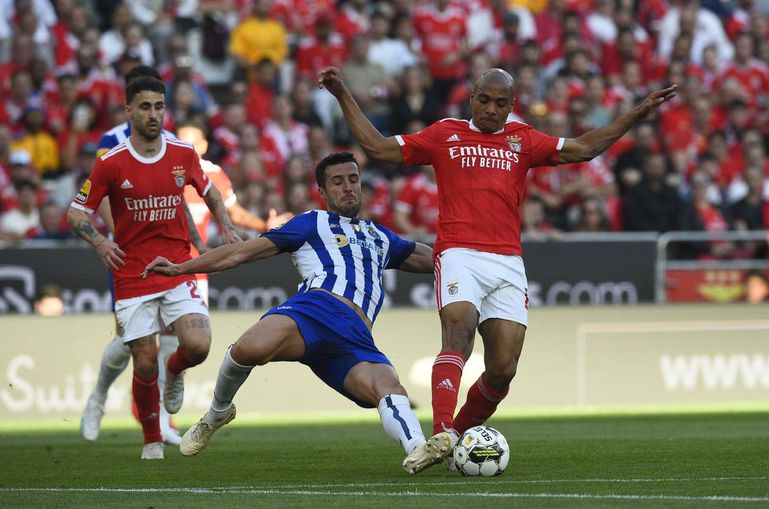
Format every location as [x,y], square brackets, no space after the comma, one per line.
[447,374]
[481,403]
[178,362]
[147,398]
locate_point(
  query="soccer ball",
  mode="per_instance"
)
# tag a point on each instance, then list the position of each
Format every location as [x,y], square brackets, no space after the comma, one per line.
[481,451]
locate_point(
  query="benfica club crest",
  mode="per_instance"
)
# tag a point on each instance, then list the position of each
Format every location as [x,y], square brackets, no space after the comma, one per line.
[514,142]
[178,172]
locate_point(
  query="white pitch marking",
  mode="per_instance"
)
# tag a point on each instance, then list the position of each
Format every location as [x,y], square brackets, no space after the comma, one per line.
[269,491]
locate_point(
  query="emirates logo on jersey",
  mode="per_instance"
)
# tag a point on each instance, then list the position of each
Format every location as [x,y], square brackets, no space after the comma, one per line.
[179,172]
[514,142]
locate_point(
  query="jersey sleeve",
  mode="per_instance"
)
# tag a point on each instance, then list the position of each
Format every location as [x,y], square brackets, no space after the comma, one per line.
[198,179]
[106,143]
[400,249]
[418,148]
[94,188]
[294,233]
[544,148]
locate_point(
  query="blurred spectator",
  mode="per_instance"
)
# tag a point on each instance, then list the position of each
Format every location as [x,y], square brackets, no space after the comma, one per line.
[16,223]
[325,48]
[700,215]
[747,213]
[392,54]
[533,221]
[415,100]
[261,93]
[39,143]
[258,37]
[289,135]
[416,207]
[369,84]
[304,107]
[749,74]
[157,19]
[689,18]
[652,205]
[443,34]
[627,169]
[353,19]
[53,225]
[82,129]
[590,217]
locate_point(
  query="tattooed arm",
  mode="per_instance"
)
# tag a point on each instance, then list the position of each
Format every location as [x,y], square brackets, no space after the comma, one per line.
[194,233]
[218,210]
[109,252]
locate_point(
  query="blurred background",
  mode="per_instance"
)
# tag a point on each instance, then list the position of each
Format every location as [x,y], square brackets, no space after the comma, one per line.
[676,211]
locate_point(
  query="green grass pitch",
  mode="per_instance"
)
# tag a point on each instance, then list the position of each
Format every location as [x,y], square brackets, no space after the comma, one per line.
[692,460]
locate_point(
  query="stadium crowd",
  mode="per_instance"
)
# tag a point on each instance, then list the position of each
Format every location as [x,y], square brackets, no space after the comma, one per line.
[245,71]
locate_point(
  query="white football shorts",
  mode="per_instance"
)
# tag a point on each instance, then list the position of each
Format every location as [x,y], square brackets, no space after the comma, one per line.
[145,315]
[495,284]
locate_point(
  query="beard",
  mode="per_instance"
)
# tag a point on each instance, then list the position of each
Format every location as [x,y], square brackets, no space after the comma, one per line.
[146,133]
[350,210]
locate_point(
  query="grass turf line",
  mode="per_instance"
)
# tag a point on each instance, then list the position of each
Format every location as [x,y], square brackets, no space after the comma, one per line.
[650,460]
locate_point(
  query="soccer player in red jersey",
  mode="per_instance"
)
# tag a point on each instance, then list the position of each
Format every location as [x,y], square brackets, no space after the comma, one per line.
[480,167]
[144,179]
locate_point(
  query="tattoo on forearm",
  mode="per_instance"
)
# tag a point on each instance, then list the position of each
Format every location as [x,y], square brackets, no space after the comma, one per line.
[216,205]
[85,230]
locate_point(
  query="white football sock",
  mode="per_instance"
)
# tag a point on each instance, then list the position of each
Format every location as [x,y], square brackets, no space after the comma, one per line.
[113,361]
[231,376]
[168,345]
[399,421]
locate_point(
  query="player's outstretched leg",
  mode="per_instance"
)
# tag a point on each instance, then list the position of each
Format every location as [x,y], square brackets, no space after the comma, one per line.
[437,447]
[400,423]
[231,376]
[113,362]
[196,438]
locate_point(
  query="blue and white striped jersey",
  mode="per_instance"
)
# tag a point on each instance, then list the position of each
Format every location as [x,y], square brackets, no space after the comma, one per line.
[343,255]
[118,135]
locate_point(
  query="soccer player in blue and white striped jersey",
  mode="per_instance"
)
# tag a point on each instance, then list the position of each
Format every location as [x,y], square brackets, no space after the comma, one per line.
[327,324]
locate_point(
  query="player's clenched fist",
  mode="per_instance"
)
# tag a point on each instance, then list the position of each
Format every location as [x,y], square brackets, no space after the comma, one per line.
[331,79]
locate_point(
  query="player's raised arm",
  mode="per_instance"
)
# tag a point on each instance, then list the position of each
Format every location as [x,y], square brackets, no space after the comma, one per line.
[218,210]
[371,140]
[596,141]
[421,260]
[222,258]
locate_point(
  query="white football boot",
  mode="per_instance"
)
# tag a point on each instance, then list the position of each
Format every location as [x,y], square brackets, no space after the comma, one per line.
[90,422]
[196,438]
[437,447]
[153,451]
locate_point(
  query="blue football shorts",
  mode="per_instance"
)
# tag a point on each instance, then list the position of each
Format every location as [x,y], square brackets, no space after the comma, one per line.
[335,337]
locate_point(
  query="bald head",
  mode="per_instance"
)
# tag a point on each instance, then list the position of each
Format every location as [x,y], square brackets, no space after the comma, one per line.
[495,77]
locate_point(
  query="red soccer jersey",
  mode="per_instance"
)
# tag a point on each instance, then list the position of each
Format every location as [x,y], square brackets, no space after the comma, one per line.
[480,179]
[145,195]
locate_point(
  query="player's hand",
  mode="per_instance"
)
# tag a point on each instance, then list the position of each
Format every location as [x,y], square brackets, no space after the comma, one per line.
[330,78]
[161,266]
[654,100]
[275,220]
[110,253]
[230,236]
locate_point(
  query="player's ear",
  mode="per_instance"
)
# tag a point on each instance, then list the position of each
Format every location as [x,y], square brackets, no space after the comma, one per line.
[322,192]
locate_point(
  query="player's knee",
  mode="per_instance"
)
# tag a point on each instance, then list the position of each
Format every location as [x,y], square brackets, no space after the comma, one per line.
[146,367]
[500,375]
